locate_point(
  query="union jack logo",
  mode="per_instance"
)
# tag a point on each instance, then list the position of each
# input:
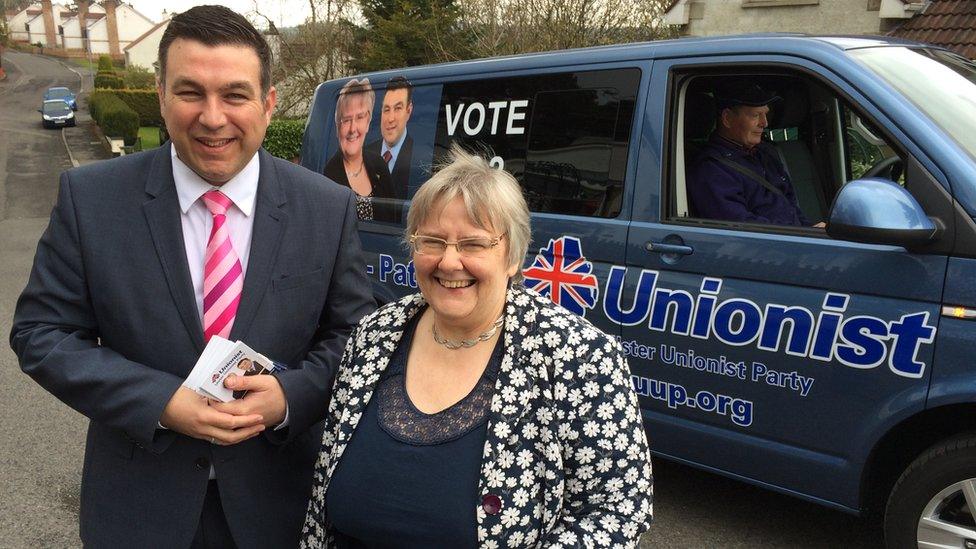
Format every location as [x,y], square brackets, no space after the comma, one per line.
[562,273]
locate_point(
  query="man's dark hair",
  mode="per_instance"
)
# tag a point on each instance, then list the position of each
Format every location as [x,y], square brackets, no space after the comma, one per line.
[216,26]
[401,83]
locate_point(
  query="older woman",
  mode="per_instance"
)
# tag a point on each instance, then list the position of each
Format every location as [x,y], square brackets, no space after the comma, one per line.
[477,413]
[363,171]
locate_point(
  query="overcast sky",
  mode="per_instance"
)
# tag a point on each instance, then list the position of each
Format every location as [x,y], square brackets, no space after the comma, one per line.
[284,13]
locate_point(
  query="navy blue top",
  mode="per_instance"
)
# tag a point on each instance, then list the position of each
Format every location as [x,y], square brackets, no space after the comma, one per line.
[410,479]
[717,191]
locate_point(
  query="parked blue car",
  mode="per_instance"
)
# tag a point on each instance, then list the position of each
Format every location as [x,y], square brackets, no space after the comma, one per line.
[63,94]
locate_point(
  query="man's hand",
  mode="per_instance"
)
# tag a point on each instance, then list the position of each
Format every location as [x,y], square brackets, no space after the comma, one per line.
[264,397]
[194,416]
[821,225]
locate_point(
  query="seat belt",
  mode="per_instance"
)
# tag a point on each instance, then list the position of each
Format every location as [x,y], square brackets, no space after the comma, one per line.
[748,173]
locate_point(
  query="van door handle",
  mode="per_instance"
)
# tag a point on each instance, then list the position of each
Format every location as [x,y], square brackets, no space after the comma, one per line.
[666,248]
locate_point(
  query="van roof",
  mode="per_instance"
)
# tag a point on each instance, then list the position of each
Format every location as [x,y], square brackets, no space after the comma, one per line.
[759,43]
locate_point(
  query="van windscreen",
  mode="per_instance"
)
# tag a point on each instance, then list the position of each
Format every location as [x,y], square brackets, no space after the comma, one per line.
[939,83]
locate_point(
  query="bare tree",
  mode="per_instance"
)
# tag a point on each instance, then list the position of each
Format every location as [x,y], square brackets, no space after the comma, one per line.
[311,53]
[498,27]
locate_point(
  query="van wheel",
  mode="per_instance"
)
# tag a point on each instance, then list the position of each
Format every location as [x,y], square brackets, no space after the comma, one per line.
[933,504]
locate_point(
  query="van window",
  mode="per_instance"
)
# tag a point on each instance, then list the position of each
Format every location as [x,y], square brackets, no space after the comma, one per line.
[813,143]
[563,136]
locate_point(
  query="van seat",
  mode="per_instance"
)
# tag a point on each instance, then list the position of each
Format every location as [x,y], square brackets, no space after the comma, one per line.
[796,156]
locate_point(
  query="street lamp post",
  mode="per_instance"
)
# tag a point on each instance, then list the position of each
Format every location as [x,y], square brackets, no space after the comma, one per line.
[91,71]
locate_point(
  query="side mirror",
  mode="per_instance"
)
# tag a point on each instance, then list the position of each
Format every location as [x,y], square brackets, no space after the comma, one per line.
[879,211]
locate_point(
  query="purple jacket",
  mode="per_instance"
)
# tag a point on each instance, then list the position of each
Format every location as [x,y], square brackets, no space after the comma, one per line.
[717,191]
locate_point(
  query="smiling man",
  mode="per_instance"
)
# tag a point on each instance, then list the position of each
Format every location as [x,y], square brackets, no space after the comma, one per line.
[736,176]
[146,258]
[396,146]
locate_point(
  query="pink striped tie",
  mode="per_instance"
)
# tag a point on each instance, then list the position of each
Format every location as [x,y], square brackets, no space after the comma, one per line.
[223,277]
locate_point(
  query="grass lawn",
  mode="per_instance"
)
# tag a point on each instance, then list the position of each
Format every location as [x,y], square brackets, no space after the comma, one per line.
[150,137]
[83,63]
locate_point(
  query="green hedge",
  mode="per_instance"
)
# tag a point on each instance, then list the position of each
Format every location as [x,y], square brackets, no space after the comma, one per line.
[105,63]
[284,138]
[108,80]
[97,99]
[145,103]
[139,78]
[114,117]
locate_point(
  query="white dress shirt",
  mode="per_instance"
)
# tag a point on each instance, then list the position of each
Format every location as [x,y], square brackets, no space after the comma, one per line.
[197,221]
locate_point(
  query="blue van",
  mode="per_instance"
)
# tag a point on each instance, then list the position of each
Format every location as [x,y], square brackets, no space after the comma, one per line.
[836,365]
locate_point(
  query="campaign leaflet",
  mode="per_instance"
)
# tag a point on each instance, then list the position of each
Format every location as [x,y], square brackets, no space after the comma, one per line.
[220,359]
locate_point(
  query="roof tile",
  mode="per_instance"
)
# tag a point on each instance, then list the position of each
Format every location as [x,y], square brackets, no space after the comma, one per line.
[947,23]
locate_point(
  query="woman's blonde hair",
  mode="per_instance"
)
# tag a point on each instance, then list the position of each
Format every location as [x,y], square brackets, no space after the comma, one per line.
[492,197]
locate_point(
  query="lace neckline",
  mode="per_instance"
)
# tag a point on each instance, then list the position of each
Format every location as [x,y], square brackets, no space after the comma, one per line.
[402,420]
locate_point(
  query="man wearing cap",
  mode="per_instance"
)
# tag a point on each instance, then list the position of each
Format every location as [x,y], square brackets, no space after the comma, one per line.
[738,177]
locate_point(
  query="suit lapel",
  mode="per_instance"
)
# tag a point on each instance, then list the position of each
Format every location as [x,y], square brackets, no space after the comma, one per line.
[162,213]
[269,227]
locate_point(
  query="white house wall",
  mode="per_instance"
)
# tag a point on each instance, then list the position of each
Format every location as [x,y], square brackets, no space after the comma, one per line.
[720,17]
[131,25]
[17,22]
[144,53]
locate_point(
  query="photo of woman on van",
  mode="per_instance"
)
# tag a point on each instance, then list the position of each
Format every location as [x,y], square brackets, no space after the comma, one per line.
[363,171]
[478,413]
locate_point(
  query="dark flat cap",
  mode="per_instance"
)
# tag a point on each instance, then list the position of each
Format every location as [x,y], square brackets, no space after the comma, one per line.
[742,92]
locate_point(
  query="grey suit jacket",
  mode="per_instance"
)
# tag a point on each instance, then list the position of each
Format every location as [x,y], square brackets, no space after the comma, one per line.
[108,324]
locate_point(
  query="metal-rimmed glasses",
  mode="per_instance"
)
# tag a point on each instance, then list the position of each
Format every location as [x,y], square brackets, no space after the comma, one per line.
[467,247]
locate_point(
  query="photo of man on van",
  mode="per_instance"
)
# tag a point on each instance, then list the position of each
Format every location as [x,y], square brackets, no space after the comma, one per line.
[737,176]
[396,146]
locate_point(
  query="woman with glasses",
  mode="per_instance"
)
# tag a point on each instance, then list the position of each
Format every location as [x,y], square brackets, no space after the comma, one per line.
[478,413]
[352,165]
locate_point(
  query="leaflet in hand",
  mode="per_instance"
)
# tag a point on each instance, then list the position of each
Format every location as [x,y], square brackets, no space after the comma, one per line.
[220,359]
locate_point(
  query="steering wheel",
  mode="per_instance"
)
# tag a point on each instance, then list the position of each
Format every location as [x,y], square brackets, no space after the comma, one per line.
[889,168]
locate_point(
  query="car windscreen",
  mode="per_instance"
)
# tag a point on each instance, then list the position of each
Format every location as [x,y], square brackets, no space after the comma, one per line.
[56,107]
[58,93]
[940,83]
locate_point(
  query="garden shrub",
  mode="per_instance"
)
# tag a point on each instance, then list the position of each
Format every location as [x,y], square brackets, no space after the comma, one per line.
[145,103]
[108,80]
[114,117]
[284,138]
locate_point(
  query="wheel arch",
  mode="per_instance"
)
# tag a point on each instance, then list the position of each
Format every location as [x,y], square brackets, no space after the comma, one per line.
[904,442]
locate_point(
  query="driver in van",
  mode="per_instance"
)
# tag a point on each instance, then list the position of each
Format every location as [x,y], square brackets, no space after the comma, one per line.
[737,176]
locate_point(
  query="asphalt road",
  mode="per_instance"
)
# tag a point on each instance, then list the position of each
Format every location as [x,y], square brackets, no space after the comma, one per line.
[42,440]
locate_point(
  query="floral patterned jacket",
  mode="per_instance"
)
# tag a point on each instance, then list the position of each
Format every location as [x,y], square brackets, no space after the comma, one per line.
[566,461]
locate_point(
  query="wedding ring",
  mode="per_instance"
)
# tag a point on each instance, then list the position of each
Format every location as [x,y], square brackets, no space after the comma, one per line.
[213,440]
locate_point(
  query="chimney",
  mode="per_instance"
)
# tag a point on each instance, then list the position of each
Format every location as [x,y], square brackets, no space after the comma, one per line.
[113,28]
[49,28]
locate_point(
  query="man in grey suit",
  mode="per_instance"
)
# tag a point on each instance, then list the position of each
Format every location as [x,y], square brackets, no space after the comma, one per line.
[148,256]
[396,146]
